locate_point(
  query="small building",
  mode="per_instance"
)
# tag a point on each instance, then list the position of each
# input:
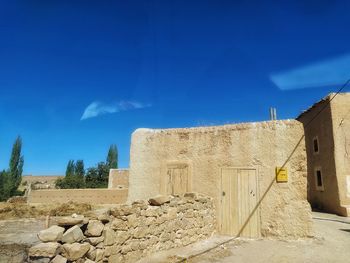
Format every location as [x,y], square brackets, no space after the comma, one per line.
[118,179]
[327,138]
[234,164]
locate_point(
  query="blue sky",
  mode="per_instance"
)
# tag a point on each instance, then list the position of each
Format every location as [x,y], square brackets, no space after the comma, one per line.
[77,76]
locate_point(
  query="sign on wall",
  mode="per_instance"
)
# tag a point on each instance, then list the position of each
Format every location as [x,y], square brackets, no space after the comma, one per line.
[281,175]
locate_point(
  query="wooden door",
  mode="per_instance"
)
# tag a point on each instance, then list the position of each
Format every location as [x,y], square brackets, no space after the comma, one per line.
[239,197]
[177,179]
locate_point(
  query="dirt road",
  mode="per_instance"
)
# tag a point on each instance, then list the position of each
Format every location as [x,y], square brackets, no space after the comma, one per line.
[331,244]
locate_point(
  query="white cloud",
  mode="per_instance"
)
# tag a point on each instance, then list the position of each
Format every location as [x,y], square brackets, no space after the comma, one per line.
[98,108]
[334,71]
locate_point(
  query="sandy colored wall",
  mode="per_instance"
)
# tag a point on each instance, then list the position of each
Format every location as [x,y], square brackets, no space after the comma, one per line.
[118,179]
[321,127]
[91,196]
[340,110]
[284,210]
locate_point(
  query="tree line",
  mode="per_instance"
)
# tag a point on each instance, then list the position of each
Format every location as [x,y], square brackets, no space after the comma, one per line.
[94,177]
[11,177]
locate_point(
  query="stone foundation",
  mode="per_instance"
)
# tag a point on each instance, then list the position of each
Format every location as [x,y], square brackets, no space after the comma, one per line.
[128,232]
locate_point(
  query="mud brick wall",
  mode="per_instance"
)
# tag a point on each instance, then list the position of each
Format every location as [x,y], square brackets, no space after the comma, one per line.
[90,196]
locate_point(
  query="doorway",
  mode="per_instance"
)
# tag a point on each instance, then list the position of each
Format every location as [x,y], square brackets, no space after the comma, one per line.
[239,198]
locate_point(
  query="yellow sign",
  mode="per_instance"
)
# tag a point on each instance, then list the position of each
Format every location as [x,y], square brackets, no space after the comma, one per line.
[281,175]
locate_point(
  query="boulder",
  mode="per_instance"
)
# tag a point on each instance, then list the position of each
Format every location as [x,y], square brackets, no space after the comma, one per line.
[191,195]
[51,234]
[94,228]
[91,254]
[109,237]
[48,250]
[95,240]
[59,259]
[104,218]
[123,210]
[99,255]
[75,251]
[70,220]
[122,236]
[73,234]
[159,200]
[119,224]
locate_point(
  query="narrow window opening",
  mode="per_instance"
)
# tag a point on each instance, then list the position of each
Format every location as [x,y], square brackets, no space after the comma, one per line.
[319,181]
[316,145]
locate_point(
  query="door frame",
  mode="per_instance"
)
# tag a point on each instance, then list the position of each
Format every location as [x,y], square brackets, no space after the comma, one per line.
[256,169]
[174,164]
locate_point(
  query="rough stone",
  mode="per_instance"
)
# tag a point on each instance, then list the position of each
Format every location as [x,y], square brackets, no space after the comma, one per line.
[91,254]
[152,211]
[122,210]
[140,203]
[121,237]
[159,200]
[59,259]
[191,195]
[104,218]
[94,228]
[73,234]
[95,240]
[109,236]
[48,250]
[119,224]
[52,234]
[99,255]
[133,220]
[140,232]
[115,259]
[75,251]
[70,221]
[89,261]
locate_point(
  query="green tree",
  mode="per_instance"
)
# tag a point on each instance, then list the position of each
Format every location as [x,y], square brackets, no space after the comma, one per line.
[112,157]
[97,177]
[2,185]
[74,178]
[70,170]
[14,174]
[91,178]
[80,173]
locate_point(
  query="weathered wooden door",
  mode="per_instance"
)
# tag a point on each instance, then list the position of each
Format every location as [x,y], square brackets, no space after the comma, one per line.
[239,197]
[177,179]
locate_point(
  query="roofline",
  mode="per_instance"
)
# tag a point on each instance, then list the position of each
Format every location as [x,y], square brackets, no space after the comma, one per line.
[326,98]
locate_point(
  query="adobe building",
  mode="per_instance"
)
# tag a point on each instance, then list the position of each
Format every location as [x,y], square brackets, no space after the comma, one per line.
[234,164]
[118,179]
[327,140]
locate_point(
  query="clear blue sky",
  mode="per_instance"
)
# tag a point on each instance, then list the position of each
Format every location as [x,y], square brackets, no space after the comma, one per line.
[76,76]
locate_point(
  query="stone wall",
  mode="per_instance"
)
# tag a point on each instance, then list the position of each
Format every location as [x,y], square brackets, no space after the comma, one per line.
[118,179]
[91,196]
[128,232]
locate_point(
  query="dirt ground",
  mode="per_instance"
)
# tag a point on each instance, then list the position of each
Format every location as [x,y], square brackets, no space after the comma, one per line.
[24,210]
[330,244]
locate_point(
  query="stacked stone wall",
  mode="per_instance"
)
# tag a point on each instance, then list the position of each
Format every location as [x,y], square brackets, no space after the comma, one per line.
[127,233]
